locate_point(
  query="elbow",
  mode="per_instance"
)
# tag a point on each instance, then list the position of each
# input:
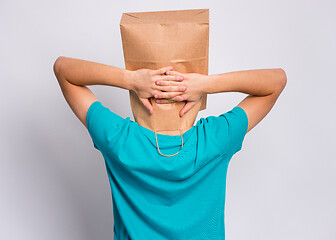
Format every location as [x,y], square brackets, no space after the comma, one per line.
[281,79]
[58,65]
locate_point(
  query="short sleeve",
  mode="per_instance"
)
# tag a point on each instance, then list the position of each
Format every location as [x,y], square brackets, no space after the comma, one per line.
[236,123]
[103,125]
[223,134]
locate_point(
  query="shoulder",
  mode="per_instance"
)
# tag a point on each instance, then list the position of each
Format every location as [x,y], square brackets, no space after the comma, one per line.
[235,116]
[105,126]
[97,112]
[224,132]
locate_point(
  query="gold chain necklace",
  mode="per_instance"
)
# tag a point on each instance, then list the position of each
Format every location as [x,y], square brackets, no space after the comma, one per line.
[157,144]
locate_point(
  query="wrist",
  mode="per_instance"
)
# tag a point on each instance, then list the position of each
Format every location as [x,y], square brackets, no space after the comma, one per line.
[207,83]
[129,79]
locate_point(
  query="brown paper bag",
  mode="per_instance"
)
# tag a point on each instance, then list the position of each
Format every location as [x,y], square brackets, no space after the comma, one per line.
[166,38]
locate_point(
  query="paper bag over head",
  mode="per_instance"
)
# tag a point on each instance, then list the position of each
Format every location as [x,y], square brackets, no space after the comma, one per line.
[166,38]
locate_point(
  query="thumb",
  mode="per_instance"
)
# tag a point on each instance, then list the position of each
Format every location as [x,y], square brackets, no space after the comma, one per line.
[147,104]
[187,107]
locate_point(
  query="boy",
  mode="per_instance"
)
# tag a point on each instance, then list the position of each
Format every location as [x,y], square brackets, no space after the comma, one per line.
[155,197]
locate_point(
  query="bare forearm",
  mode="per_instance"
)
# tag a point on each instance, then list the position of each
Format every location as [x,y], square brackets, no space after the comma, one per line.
[81,72]
[257,82]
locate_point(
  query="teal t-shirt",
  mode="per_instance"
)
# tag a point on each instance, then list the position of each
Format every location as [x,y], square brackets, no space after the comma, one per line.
[167,198]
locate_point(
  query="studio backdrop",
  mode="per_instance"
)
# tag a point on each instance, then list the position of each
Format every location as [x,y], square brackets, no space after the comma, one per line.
[53,183]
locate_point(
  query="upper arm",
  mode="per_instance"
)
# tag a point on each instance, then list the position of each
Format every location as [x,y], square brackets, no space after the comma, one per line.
[257,107]
[79,98]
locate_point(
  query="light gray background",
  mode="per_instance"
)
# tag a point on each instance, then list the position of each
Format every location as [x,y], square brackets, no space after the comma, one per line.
[53,183]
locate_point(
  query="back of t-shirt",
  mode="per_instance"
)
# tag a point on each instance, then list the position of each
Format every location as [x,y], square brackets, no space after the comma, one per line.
[158,197]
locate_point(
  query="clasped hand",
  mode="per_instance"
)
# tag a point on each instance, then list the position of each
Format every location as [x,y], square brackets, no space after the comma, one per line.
[167,86]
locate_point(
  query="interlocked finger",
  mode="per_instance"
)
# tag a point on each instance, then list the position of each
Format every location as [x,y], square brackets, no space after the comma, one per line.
[166,94]
[170,78]
[169,83]
[179,88]
[172,72]
[162,70]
